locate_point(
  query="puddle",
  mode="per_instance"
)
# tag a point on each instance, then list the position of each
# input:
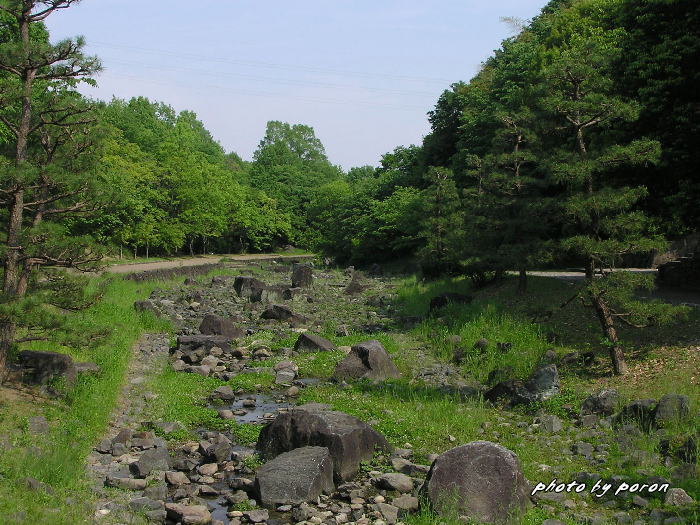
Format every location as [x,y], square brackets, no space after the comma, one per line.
[265,404]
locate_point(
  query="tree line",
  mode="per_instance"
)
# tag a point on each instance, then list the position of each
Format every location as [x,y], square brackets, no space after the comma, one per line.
[574,144]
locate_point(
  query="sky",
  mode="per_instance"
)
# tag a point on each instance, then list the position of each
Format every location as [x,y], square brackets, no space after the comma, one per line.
[362,73]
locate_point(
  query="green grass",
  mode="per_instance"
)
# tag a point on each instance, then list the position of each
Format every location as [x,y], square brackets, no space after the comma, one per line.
[79,420]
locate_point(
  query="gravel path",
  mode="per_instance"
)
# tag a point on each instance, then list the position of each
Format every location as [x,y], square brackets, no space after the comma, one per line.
[195,261]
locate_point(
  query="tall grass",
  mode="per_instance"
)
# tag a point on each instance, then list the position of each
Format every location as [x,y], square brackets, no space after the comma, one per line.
[78,421]
[480,319]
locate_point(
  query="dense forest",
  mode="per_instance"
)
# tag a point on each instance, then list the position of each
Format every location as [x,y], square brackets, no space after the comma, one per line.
[575,144]
[588,111]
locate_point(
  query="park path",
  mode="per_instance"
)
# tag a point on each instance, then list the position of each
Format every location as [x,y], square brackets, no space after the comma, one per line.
[196,261]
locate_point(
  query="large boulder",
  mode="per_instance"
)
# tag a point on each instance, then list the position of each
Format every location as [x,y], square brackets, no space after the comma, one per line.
[480,480]
[189,343]
[246,286]
[312,343]
[348,439]
[366,360]
[302,276]
[42,367]
[213,324]
[295,477]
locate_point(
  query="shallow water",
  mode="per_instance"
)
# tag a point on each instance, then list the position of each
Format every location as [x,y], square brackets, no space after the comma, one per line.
[264,404]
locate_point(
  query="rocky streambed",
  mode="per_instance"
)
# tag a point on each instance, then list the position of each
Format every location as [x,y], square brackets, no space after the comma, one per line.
[314,465]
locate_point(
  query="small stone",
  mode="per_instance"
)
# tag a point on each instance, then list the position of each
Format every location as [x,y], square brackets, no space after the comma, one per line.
[208,469]
[551,424]
[177,478]
[256,516]
[406,502]
[292,391]
[226,414]
[639,501]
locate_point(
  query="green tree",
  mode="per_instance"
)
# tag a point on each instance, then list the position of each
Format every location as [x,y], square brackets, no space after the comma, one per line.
[288,165]
[601,224]
[43,170]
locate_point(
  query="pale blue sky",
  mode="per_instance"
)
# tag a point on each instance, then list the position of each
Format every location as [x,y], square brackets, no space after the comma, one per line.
[363,73]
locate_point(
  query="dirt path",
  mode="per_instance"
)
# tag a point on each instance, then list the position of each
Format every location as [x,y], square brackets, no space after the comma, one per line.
[666,293]
[195,261]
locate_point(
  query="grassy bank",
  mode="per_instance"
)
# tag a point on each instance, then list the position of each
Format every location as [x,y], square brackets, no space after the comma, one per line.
[76,422]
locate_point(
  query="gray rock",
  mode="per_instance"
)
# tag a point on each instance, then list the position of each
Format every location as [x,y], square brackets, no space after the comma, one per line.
[159,491]
[150,460]
[125,483]
[307,342]
[602,403]
[285,376]
[216,325]
[216,449]
[282,313]
[458,478]
[43,367]
[678,497]
[246,286]
[671,407]
[225,393]
[302,276]
[300,475]
[394,481]
[389,512]
[551,424]
[143,504]
[188,514]
[582,449]
[542,385]
[177,479]
[404,466]
[146,306]
[189,343]
[256,516]
[366,360]
[406,503]
[348,439]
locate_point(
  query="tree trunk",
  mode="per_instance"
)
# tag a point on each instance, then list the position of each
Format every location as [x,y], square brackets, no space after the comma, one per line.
[607,324]
[191,244]
[7,336]
[522,282]
[146,250]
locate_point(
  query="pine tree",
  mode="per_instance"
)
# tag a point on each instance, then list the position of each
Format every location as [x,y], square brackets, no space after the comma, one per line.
[42,167]
[601,224]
